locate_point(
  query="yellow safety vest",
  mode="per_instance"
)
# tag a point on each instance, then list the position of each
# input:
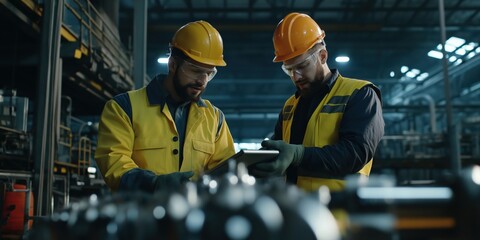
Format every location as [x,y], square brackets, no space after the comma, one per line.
[150,139]
[323,128]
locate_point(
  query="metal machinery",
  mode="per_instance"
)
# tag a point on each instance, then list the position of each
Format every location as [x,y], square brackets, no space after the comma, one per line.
[91,67]
[15,141]
[15,157]
[416,147]
[238,206]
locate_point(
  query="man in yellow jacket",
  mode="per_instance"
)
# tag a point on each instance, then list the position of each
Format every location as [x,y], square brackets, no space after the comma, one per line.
[161,135]
[332,125]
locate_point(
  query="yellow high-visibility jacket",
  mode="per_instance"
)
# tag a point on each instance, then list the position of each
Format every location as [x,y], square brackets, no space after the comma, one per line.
[323,129]
[137,130]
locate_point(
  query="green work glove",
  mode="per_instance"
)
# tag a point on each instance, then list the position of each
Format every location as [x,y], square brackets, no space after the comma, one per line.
[171,181]
[289,155]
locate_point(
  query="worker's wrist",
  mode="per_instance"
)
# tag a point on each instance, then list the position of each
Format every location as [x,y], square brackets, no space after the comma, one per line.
[300,153]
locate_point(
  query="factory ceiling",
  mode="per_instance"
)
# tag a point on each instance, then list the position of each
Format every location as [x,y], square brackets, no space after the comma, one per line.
[379,37]
[387,42]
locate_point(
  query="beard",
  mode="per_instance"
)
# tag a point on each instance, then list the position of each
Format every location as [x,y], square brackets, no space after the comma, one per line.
[312,89]
[182,91]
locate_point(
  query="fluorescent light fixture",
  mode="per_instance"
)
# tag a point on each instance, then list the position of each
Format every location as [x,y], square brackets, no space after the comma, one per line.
[415,71]
[422,76]
[470,46]
[470,55]
[455,41]
[461,51]
[91,170]
[342,59]
[403,69]
[407,193]
[439,47]
[392,74]
[452,59]
[476,175]
[162,60]
[435,54]
[411,74]
[450,48]
[458,62]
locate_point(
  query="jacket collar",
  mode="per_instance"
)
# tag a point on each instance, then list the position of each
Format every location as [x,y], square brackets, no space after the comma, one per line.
[157,94]
[333,78]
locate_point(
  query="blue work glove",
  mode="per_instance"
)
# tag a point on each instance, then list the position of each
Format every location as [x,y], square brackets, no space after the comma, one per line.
[289,155]
[171,181]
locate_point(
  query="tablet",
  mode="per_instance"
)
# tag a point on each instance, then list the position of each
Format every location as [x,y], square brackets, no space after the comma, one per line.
[248,157]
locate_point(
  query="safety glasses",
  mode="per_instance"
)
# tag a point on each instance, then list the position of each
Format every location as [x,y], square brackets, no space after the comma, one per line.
[299,68]
[197,72]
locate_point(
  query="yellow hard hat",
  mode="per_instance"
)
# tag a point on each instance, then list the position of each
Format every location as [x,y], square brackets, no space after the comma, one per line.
[294,35]
[201,42]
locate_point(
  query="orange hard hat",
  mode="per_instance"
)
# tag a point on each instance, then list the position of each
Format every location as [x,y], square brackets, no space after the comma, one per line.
[201,42]
[295,34]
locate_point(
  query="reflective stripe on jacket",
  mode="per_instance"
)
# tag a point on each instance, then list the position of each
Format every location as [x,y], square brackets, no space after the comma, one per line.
[149,140]
[323,129]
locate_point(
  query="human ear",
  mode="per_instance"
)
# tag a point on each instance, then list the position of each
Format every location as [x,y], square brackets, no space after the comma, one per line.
[323,56]
[172,64]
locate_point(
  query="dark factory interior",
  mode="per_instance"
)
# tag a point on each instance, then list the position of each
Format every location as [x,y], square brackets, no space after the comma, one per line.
[63,60]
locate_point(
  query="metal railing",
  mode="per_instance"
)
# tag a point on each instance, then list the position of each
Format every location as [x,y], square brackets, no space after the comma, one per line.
[84,155]
[98,36]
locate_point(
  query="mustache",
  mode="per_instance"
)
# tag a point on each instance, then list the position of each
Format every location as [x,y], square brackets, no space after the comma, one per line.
[194,85]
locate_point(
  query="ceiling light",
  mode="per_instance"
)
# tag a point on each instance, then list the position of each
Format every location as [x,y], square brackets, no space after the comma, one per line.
[403,69]
[477,50]
[470,46]
[452,59]
[410,74]
[470,55]
[461,51]
[162,60]
[450,48]
[476,175]
[422,76]
[415,71]
[435,54]
[342,59]
[392,74]
[458,62]
[455,41]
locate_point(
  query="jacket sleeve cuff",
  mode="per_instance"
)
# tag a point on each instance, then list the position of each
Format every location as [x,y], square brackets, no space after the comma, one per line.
[307,155]
[137,179]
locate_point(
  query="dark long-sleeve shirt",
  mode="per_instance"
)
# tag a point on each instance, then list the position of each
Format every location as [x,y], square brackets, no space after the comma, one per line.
[360,131]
